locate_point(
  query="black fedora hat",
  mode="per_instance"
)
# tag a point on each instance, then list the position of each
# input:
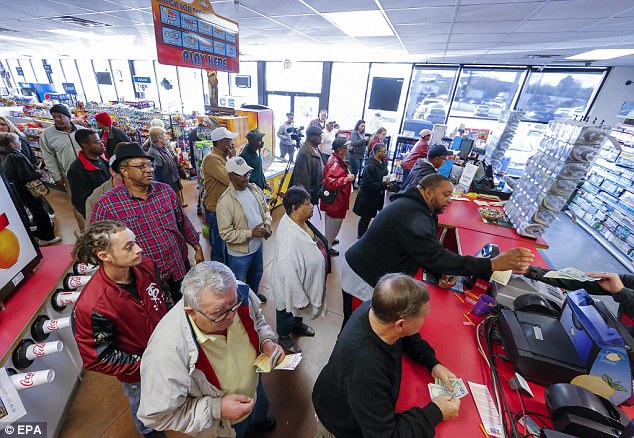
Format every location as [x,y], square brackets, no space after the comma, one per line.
[128,150]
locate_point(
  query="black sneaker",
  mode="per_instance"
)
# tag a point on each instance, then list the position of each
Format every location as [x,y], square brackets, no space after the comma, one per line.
[333,252]
[335,242]
[262,298]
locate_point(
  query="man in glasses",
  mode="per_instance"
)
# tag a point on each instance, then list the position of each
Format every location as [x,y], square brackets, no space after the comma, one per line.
[89,170]
[244,221]
[197,371]
[153,212]
[216,182]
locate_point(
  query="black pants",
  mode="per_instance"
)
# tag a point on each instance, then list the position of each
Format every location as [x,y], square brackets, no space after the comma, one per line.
[287,323]
[362,226]
[175,285]
[347,307]
[40,217]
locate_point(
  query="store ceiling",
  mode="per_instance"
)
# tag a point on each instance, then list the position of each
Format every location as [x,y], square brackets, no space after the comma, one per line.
[539,32]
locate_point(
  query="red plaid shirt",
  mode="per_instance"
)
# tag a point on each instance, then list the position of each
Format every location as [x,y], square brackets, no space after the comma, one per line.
[159,222]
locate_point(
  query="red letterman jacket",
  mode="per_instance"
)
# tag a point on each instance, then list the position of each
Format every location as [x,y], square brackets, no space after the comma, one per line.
[112,327]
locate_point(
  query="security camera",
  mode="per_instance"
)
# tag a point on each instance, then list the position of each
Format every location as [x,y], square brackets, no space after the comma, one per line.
[628,82]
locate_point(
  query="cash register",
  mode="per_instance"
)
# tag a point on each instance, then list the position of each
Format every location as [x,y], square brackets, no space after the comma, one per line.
[585,340]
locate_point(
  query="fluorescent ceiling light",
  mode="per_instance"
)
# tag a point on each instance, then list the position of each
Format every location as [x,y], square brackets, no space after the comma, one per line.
[361,23]
[600,54]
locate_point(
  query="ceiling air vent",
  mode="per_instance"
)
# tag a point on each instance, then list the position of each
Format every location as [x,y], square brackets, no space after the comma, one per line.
[541,56]
[69,19]
[5,30]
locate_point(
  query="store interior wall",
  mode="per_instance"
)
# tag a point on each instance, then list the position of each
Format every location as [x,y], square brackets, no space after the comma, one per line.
[612,95]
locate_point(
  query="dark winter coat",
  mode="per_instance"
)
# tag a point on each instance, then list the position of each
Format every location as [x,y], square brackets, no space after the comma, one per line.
[372,194]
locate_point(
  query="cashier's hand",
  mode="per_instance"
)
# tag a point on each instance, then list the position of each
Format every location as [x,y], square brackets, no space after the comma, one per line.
[447,281]
[443,374]
[235,406]
[517,259]
[609,281]
[448,406]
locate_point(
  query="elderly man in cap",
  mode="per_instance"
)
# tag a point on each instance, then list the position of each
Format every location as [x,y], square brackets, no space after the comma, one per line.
[198,369]
[110,136]
[419,150]
[59,150]
[309,165]
[436,157]
[216,182]
[251,154]
[89,170]
[244,221]
[154,214]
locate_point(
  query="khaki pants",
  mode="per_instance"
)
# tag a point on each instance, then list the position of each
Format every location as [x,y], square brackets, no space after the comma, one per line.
[81,222]
[322,432]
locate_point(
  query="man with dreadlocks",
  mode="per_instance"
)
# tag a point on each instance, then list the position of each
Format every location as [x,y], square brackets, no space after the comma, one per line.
[119,308]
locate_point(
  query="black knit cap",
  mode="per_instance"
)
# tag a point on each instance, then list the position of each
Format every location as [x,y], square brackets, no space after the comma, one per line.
[61,109]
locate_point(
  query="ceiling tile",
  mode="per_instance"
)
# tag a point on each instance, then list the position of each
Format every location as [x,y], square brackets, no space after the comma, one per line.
[536,37]
[260,23]
[485,26]
[342,6]
[583,9]
[470,46]
[497,2]
[439,38]
[400,4]
[476,37]
[561,25]
[276,8]
[422,30]
[421,15]
[305,22]
[510,11]
[614,24]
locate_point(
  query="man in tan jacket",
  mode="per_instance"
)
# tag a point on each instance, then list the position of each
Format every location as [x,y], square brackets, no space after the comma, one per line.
[216,182]
[244,221]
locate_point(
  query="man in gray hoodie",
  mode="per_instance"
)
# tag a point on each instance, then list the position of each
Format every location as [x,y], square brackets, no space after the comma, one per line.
[59,150]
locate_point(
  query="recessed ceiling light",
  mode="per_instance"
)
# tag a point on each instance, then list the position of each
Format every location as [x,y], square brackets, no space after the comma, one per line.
[361,23]
[600,54]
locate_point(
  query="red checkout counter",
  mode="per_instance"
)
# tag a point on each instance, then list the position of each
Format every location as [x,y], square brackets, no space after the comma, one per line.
[454,338]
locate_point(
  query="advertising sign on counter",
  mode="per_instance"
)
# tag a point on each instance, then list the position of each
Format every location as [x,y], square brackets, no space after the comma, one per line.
[11,407]
[190,34]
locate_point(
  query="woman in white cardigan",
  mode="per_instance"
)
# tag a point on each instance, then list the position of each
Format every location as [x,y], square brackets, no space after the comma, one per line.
[299,268]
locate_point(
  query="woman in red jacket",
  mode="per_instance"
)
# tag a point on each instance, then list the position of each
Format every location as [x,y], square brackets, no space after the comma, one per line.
[336,177]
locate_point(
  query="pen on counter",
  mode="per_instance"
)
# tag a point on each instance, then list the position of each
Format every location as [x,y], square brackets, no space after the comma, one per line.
[468,319]
[458,296]
[484,431]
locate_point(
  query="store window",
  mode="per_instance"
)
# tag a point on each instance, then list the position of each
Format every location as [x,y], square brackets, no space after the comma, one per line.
[347,92]
[105,80]
[168,87]
[122,79]
[57,74]
[27,69]
[550,95]
[387,92]
[304,77]
[89,80]
[147,91]
[40,73]
[13,65]
[485,93]
[192,89]
[71,76]
[430,94]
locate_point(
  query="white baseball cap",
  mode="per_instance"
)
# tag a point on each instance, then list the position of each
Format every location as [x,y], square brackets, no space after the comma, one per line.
[220,133]
[238,166]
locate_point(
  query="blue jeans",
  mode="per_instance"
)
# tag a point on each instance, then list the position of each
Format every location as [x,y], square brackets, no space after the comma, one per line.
[355,167]
[133,392]
[258,414]
[248,268]
[218,246]
[405,173]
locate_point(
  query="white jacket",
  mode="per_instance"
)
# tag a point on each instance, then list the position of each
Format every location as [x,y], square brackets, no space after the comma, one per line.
[298,272]
[59,150]
[175,395]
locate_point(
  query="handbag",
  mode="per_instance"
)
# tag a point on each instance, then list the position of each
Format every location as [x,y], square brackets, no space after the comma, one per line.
[37,188]
[326,195]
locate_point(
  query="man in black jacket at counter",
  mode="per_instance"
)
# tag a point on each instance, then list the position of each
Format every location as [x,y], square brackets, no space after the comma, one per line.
[405,237]
[355,394]
[621,287]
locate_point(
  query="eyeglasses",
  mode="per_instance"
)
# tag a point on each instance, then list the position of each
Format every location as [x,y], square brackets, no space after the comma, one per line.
[223,315]
[245,176]
[143,167]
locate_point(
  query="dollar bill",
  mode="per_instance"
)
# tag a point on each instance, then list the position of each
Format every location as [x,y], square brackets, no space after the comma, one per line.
[459,388]
[569,274]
